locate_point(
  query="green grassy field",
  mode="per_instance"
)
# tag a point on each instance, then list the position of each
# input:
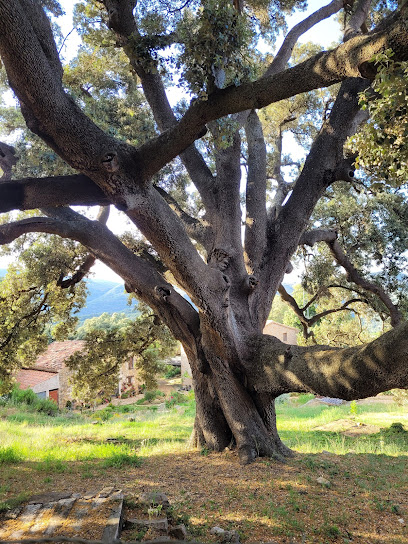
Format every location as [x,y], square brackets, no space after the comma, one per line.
[136,447]
[27,435]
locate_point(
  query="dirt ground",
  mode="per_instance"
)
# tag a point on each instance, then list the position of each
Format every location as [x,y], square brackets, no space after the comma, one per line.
[265,501]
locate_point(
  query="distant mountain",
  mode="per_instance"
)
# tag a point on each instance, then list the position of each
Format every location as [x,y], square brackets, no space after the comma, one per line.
[109,296]
[104,296]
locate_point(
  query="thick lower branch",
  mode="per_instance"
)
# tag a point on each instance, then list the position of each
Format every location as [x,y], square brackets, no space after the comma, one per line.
[349,373]
[34,193]
[255,224]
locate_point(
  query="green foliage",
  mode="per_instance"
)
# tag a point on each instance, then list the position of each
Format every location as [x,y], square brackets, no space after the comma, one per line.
[32,304]
[400,396]
[96,368]
[103,322]
[353,408]
[395,428]
[215,47]
[101,83]
[12,502]
[382,143]
[172,371]
[27,397]
[120,460]
[8,456]
[52,466]
[176,398]
[150,396]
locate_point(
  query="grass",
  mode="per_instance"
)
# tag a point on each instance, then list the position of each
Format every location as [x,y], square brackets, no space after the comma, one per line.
[296,426]
[148,449]
[27,436]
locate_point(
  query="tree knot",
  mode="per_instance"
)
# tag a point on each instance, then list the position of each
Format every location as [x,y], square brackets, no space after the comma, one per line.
[162,291]
[250,283]
[345,170]
[110,162]
[220,258]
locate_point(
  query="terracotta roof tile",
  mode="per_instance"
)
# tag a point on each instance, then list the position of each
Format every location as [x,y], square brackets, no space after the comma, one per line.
[53,359]
[28,378]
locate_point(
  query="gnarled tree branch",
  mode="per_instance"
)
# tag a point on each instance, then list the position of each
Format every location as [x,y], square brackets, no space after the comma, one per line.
[88,262]
[195,228]
[283,55]
[34,193]
[353,275]
[308,322]
[139,275]
[255,222]
[7,160]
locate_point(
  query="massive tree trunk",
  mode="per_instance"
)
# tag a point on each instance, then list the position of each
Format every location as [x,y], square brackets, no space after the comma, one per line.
[236,398]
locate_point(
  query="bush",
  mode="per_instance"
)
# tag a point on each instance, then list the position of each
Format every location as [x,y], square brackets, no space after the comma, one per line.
[23,396]
[176,398]
[105,414]
[46,406]
[171,371]
[150,396]
[8,456]
[28,398]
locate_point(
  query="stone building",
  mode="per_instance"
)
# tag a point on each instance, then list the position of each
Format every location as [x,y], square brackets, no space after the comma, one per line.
[49,377]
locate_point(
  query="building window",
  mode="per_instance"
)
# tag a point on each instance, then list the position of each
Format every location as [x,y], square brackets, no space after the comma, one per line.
[130,365]
[285,336]
[129,380]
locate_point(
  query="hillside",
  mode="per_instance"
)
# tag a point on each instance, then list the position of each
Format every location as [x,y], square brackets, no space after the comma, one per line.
[104,296]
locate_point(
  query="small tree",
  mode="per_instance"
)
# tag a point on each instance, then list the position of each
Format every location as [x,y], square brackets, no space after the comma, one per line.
[96,368]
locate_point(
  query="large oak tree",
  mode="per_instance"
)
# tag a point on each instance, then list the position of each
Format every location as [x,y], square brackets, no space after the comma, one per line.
[230,277]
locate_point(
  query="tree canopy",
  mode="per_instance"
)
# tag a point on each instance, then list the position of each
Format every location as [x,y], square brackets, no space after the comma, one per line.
[110,341]
[217,204]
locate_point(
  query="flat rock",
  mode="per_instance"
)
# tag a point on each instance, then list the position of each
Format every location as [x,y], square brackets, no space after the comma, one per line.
[106,491]
[114,524]
[323,481]
[178,531]
[45,498]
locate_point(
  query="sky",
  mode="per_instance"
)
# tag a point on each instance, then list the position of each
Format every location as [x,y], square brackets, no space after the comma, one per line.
[324,33]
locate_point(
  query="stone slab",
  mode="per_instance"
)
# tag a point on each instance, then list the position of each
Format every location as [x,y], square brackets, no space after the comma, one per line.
[114,523]
[44,498]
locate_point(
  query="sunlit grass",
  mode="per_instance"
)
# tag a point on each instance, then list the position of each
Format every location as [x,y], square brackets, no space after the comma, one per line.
[39,438]
[297,426]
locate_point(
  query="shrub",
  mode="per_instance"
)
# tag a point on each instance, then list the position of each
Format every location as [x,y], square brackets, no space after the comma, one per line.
[23,396]
[8,456]
[28,398]
[150,396]
[171,371]
[176,398]
[396,428]
[46,406]
[105,414]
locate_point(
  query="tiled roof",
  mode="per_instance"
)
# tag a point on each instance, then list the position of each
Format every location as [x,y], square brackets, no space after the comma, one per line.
[28,378]
[53,359]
